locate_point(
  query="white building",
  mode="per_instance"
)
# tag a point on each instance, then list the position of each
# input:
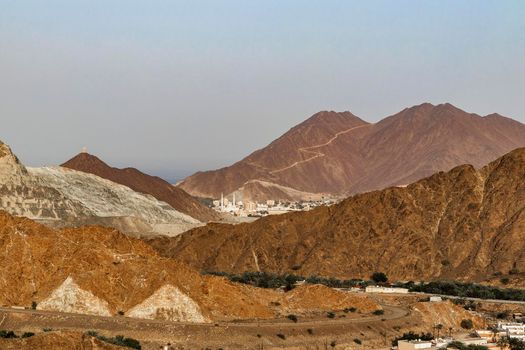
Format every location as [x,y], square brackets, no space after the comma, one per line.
[413,344]
[513,330]
[391,290]
[435,299]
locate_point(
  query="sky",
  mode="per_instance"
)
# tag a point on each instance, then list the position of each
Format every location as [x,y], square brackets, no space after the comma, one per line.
[173,87]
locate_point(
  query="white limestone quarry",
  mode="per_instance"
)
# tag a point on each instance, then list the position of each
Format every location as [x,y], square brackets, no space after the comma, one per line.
[69,297]
[170,304]
[60,196]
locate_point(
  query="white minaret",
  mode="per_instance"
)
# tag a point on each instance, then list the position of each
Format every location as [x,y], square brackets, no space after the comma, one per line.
[222,202]
[84,150]
[234,199]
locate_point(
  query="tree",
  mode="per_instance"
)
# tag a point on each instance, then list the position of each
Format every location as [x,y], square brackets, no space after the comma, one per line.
[466,324]
[379,277]
[516,344]
[503,342]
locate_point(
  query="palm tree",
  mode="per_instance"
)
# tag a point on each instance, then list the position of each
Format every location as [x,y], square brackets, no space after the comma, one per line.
[503,342]
[439,327]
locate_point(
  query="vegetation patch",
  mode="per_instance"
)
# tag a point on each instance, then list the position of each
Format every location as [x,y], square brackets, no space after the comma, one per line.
[119,340]
[465,290]
[288,281]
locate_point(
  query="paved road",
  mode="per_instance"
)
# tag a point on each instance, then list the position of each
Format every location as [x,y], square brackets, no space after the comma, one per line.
[496,301]
[63,320]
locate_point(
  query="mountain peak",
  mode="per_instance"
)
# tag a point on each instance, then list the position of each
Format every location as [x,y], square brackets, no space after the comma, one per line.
[84,161]
[330,117]
[9,163]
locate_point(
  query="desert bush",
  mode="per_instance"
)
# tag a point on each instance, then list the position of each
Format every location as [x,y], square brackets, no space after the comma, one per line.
[292,318]
[7,334]
[330,314]
[466,324]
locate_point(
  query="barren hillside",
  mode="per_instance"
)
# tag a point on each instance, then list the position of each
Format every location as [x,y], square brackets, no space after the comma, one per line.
[99,271]
[464,224]
[144,183]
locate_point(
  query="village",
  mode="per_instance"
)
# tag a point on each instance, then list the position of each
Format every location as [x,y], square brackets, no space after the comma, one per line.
[498,335]
[268,207]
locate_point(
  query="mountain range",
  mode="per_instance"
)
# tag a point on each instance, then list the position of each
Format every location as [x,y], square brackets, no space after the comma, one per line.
[464,224]
[339,154]
[61,197]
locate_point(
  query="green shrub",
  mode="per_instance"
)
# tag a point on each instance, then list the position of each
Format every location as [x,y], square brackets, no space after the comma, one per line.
[379,277]
[466,324]
[292,318]
[119,340]
[27,335]
[358,341]
[330,314]
[282,336]
[7,334]
[378,312]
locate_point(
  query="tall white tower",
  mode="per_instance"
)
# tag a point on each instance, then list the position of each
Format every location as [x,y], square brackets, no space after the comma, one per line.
[222,202]
[234,199]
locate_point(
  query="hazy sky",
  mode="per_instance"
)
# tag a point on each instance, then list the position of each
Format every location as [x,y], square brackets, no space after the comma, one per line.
[172,87]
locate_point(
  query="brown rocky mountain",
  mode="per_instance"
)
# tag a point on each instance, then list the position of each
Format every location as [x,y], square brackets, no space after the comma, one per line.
[338,153]
[143,183]
[461,224]
[99,271]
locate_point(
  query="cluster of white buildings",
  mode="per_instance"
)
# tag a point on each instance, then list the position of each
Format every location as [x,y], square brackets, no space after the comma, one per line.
[270,207]
[441,343]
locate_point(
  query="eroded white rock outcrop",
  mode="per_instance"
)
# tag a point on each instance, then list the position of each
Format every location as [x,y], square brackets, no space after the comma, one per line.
[170,304]
[63,197]
[69,297]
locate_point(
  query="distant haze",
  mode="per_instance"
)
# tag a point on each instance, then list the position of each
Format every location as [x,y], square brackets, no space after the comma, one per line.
[172,87]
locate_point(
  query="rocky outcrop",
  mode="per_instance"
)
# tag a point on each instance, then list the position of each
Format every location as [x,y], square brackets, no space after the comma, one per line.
[63,197]
[170,304]
[462,224]
[69,297]
[339,154]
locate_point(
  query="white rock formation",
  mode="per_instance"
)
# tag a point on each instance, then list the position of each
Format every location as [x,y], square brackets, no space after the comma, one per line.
[170,304]
[69,297]
[59,196]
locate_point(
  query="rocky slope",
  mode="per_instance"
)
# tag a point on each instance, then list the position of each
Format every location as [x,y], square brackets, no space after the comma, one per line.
[63,197]
[338,153]
[464,224]
[143,183]
[99,271]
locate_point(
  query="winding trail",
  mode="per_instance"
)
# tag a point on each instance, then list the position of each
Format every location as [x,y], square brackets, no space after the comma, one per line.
[316,154]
